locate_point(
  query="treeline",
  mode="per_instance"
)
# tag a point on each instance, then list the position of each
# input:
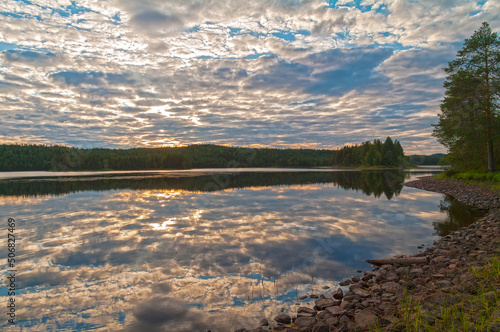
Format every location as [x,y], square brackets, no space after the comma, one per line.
[433,159]
[60,158]
[369,154]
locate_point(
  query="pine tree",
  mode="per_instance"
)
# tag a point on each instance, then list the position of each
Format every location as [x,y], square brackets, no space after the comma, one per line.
[469,121]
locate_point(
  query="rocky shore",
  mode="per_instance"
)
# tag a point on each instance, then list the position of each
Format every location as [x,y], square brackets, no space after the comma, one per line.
[379,298]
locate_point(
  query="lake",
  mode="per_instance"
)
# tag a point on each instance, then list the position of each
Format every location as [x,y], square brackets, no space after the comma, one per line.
[203,249]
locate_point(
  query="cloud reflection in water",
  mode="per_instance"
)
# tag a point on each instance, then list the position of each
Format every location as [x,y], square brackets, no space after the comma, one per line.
[184,260]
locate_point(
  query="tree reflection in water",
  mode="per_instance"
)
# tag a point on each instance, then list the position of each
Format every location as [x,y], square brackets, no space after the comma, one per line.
[458,215]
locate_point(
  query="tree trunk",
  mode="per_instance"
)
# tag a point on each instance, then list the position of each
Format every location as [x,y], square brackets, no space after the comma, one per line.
[491,159]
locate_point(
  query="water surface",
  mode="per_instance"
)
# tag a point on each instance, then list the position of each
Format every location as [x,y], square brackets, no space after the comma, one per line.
[191,251]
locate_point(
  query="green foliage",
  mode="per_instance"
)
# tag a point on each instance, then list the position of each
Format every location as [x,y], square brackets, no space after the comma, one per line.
[491,179]
[387,154]
[456,311]
[59,158]
[469,122]
[433,159]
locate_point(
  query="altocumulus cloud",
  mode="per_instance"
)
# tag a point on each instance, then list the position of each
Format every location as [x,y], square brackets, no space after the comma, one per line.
[264,73]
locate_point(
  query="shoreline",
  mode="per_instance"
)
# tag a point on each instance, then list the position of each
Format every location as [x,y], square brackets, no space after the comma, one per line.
[377,300]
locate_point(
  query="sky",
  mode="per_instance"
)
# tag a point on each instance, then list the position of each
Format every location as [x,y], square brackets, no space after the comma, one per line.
[281,73]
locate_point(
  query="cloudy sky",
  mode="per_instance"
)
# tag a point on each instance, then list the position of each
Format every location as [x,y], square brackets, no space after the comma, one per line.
[282,73]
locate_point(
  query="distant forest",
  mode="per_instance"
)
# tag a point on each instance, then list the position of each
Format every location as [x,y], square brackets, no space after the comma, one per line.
[433,159]
[61,158]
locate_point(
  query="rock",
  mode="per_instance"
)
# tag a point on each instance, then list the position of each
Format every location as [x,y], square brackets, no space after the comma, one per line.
[336,311]
[444,283]
[345,282]
[263,322]
[283,319]
[390,286]
[346,323]
[338,294]
[326,287]
[313,296]
[391,277]
[323,315]
[490,298]
[303,297]
[361,292]
[322,304]
[365,319]
[306,310]
[355,278]
[304,323]
[321,327]
[386,320]
[304,314]
[354,286]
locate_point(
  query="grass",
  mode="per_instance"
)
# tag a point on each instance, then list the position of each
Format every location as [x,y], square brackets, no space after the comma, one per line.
[492,179]
[476,310]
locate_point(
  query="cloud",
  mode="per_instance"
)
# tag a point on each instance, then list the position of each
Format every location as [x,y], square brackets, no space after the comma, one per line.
[152,21]
[30,57]
[128,73]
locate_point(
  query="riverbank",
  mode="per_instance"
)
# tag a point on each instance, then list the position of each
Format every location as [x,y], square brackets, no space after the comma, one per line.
[455,288]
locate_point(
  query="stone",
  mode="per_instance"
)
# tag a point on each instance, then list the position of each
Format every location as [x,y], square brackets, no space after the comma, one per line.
[306,310]
[490,297]
[323,315]
[326,287]
[336,311]
[303,297]
[304,314]
[354,286]
[361,292]
[386,320]
[322,304]
[346,322]
[345,282]
[355,278]
[391,277]
[390,286]
[304,323]
[283,319]
[444,283]
[263,322]
[440,259]
[347,305]
[338,294]
[365,319]
[321,327]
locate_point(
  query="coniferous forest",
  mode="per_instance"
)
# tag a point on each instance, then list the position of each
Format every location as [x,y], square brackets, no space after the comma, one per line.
[371,154]
[61,158]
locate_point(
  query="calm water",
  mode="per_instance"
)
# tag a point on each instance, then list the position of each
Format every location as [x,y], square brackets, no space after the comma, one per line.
[191,251]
